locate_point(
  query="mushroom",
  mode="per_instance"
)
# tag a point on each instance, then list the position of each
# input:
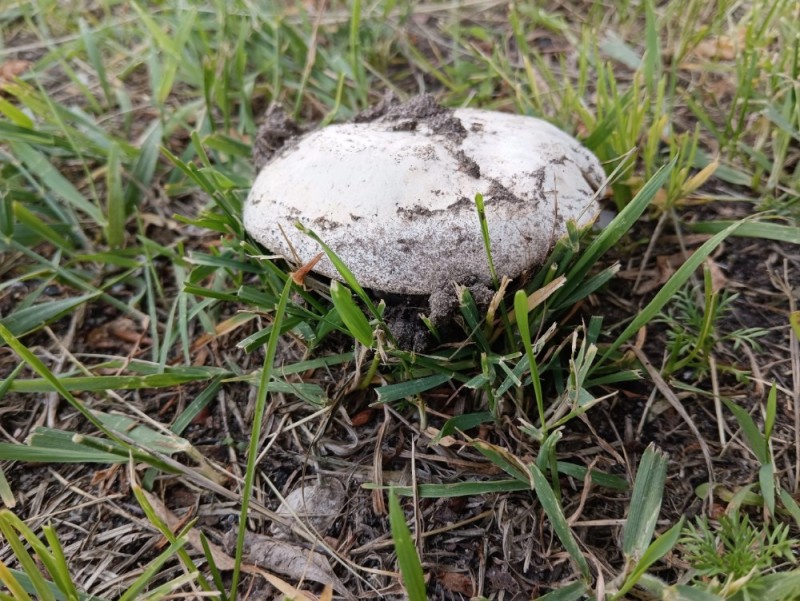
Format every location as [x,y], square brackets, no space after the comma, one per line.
[393,194]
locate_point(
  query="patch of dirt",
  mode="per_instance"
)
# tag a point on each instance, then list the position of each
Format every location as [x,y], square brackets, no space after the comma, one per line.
[417,110]
[499,193]
[468,165]
[273,134]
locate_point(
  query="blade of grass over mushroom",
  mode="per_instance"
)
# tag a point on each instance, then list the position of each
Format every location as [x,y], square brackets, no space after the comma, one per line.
[487,242]
[648,491]
[472,316]
[667,292]
[343,270]
[407,557]
[555,514]
[353,318]
[106,83]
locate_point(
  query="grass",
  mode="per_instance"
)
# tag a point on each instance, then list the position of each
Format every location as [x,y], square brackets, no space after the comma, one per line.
[130,289]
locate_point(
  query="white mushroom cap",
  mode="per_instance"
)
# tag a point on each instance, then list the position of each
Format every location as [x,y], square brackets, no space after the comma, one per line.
[394,198]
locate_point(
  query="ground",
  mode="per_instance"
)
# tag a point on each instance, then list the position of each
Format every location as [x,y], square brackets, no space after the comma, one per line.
[135,309]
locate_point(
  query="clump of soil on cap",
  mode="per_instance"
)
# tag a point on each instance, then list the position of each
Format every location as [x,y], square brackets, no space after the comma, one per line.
[278,128]
[408,116]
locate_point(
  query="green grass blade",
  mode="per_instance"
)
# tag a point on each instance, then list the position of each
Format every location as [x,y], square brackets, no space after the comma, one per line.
[754,437]
[772,411]
[88,383]
[521,312]
[95,59]
[141,175]
[410,388]
[465,421]
[200,402]
[598,477]
[504,460]
[343,270]
[49,176]
[652,56]
[751,229]
[353,318]
[571,592]
[216,575]
[455,489]
[28,454]
[648,490]
[766,482]
[655,551]
[10,524]
[40,368]
[37,224]
[612,234]
[6,494]
[59,570]
[669,289]
[487,243]
[30,319]
[678,592]
[11,580]
[557,519]
[255,435]
[790,505]
[152,570]
[410,566]
[115,202]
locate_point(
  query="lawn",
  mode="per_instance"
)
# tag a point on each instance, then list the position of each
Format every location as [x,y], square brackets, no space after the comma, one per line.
[185,414]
